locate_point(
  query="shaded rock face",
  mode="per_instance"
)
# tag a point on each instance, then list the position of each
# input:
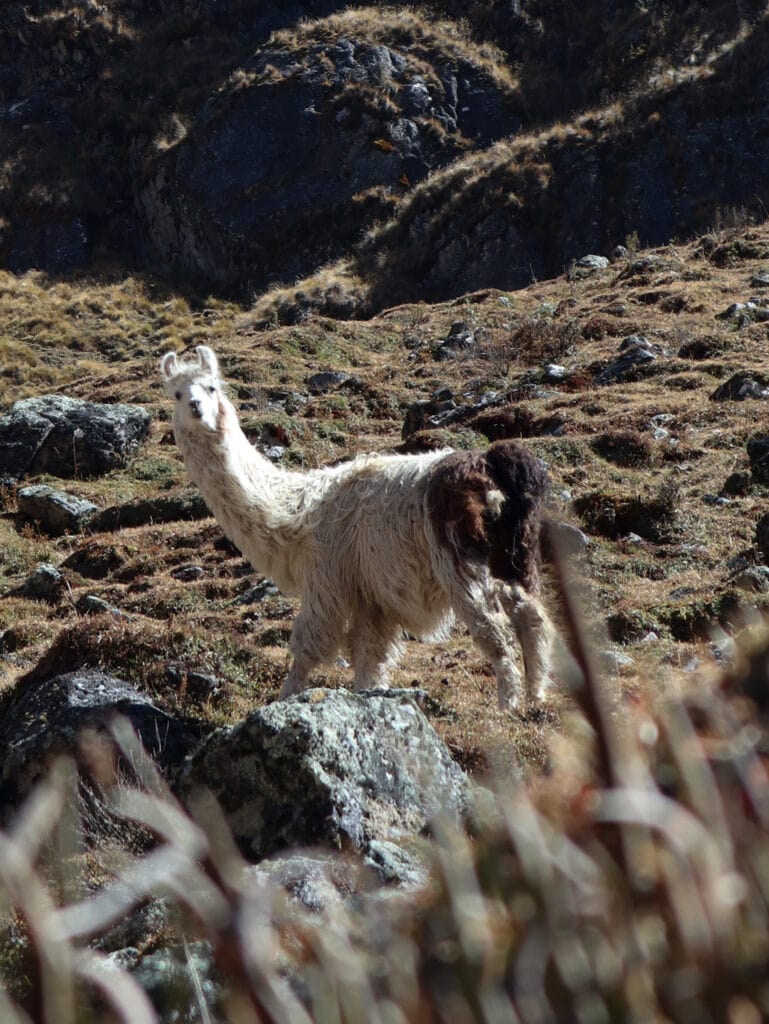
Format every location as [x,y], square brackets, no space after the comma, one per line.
[328,767]
[281,174]
[565,199]
[46,718]
[68,437]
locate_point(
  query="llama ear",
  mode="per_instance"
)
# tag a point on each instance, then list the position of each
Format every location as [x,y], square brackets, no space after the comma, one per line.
[208,361]
[169,364]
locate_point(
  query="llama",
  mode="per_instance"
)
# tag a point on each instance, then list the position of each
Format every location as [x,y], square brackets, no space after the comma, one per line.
[379,546]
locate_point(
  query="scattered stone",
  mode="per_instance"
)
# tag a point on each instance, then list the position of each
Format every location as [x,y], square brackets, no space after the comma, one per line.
[459,339]
[183,983]
[650,638]
[715,499]
[616,661]
[554,373]
[620,252]
[204,687]
[758,453]
[633,539]
[760,279]
[290,402]
[587,265]
[636,353]
[56,512]
[363,767]
[321,383]
[263,589]
[46,717]
[754,579]
[568,538]
[169,508]
[68,437]
[45,583]
[90,604]
[188,573]
[737,563]
[661,418]
[442,409]
[745,313]
[318,882]
[741,385]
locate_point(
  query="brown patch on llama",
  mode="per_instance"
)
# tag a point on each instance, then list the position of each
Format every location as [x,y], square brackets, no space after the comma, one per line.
[488,506]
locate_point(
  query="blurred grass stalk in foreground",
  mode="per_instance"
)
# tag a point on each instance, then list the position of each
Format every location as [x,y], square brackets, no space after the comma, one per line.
[641,894]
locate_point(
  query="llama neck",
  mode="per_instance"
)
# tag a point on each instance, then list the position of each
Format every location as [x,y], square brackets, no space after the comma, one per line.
[253,501]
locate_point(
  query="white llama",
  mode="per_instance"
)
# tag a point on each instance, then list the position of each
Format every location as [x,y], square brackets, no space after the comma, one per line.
[380,545]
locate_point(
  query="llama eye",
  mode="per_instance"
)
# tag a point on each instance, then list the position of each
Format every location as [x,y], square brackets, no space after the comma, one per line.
[211,389]
[178,395]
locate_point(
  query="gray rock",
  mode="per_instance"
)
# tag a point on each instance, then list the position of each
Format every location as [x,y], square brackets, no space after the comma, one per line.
[321,383]
[328,767]
[587,265]
[168,508]
[760,279]
[443,409]
[254,595]
[175,977]
[459,339]
[57,512]
[636,353]
[745,313]
[317,882]
[554,372]
[67,437]
[90,604]
[188,573]
[45,717]
[394,864]
[754,579]
[569,538]
[741,385]
[44,583]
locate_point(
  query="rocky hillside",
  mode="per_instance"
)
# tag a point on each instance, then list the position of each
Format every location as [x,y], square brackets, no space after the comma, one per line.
[233,146]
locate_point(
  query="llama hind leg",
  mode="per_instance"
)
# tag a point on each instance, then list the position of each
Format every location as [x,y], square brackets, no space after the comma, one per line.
[535,632]
[315,638]
[489,627]
[375,648]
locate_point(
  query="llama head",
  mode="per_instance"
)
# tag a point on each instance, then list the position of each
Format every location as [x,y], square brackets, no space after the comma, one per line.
[196,388]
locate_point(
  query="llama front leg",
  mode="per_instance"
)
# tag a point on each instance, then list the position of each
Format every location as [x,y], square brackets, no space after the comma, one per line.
[535,632]
[315,638]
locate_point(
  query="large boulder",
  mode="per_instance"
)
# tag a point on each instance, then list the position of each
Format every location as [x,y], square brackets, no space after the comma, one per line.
[328,767]
[68,437]
[315,137]
[46,718]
